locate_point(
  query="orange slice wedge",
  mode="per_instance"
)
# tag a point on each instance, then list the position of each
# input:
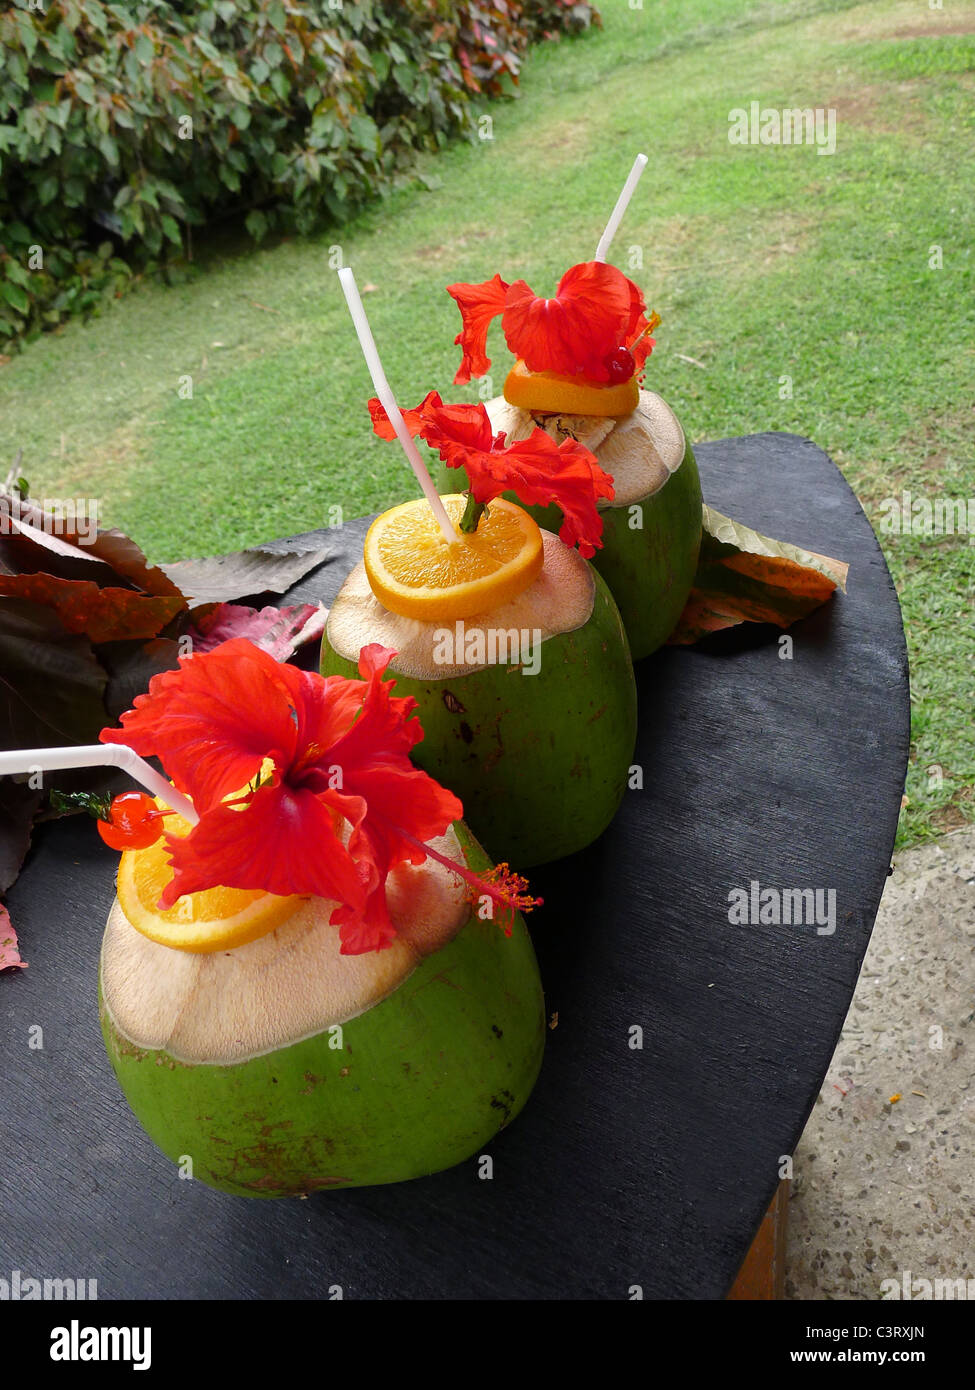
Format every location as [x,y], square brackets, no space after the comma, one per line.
[414,572]
[554,394]
[217,919]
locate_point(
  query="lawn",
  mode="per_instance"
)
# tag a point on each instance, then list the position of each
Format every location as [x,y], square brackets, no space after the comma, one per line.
[764,262]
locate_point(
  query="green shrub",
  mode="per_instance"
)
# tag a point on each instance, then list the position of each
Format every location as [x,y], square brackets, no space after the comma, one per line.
[123,125]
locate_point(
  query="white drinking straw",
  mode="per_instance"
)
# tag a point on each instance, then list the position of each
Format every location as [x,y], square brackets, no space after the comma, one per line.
[616,217]
[99,755]
[385,394]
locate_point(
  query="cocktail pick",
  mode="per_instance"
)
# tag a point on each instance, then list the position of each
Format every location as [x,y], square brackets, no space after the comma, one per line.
[616,217]
[385,394]
[98,755]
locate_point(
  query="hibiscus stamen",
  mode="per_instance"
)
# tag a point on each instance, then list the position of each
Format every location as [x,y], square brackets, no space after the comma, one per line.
[506,891]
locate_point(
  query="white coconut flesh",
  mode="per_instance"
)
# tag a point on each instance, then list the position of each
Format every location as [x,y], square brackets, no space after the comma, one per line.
[640,450]
[224,1007]
[560,599]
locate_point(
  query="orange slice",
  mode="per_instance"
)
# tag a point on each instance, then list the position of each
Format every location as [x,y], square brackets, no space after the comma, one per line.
[217,919]
[568,395]
[414,572]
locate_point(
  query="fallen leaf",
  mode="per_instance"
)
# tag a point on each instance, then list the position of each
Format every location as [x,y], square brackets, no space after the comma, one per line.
[51,685]
[9,955]
[131,666]
[102,614]
[27,549]
[126,559]
[76,607]
[743,576]
[223,578]
[60,535]
[19,805]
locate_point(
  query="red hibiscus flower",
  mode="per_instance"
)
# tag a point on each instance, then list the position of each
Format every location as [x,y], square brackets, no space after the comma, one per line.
[340,806]
[537,469]
[596,314]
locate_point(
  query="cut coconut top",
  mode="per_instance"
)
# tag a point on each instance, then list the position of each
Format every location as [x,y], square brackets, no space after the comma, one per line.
[559,600]
[224,1007]
[640,450]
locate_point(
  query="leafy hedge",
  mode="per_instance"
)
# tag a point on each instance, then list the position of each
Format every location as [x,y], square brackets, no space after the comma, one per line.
[124,125]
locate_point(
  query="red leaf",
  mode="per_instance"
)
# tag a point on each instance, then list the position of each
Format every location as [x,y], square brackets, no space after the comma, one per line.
[279,631]
[9,955]
[103,615]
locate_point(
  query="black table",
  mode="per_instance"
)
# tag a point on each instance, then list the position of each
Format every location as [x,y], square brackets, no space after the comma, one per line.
[629,1167]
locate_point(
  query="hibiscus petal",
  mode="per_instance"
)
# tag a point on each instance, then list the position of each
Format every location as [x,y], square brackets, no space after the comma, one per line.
[283,841]
[370,929]
[478,305]
[214,720]
[450,426]
[385,731]
[537,469]
[375,767]
[402,800]
[373,660]
[581,480]
[323,711]
[405,809]
[413,419]
[575,332]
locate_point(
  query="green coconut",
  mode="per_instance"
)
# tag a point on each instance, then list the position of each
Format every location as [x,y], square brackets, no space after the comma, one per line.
[538,745]
[283,1067]
[652,529]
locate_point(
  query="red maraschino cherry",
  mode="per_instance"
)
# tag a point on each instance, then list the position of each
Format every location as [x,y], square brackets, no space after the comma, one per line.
[135,822]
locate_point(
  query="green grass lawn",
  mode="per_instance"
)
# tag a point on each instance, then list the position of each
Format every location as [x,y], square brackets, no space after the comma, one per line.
[764,262]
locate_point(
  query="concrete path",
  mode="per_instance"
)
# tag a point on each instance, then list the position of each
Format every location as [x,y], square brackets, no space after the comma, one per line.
[884,1185]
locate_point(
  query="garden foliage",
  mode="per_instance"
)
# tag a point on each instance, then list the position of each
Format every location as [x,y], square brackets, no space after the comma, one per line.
[124,126]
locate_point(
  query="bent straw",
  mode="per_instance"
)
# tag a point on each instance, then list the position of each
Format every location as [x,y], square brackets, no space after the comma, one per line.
[616,217]
[99,755]
[385,394]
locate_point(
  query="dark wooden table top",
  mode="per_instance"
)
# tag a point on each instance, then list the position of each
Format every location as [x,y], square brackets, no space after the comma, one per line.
[629,1167]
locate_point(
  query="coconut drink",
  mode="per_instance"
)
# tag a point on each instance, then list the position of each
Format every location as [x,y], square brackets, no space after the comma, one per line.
[528,704]
[652,527]
[303,983]
[579,362]
[505,636]
[281,1066]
